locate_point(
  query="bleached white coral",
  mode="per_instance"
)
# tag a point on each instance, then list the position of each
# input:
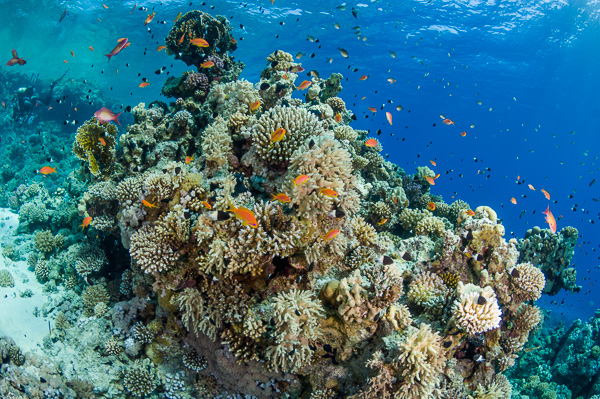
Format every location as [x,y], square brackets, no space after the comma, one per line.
[476,310]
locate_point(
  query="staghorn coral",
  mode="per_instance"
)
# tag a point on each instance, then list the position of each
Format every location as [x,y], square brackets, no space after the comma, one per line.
[476,310]
[95,143]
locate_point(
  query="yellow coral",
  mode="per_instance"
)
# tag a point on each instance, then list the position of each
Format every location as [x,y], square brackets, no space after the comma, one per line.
[95,143]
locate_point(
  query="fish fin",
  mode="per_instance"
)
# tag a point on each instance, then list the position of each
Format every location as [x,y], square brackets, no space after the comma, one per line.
[117,118]
[109,57]
[14,53]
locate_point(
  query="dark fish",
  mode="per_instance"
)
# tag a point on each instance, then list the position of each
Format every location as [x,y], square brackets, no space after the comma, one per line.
[64,14]
[264,86]
[407,257]
[219,216]
[297,312]
[386,260]
[592,182]
[447,344]
[481,300]
[515,273]
[274,64]
[354,12]
[336,213]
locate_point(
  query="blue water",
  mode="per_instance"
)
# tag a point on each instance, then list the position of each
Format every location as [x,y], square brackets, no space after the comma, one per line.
[533,66]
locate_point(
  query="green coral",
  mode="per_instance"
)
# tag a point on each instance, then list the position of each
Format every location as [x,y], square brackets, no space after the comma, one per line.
[95,143]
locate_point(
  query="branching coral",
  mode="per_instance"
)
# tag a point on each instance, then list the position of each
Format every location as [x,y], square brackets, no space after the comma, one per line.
[527,282]
[420,363]
[299,125]
[476,310]
[216,144]
[296,317]
[329,166]
[95,143]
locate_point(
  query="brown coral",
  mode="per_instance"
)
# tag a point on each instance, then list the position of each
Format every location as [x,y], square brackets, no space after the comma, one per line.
[95,143]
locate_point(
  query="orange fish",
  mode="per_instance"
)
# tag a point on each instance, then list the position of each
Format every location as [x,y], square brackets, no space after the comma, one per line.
[144,84]
[304,85]
[181,39]
[199,42]
[233,41]
[513,200]
[150,18]
[105,6]
[91,48]
[331,234]
[177,18]
[207,64]
[364,77]
[550,219]
[86,222]
[301,180]
[328,192]
[470,212]
[338,118]
[149,204]
[99,20]
[133,9]
[382,221]
[433,163]
[254,106]
[372,109]
[65,61]
[189,159]
[431,206]
[531,187]
[277,135]
[245,215]
[463,134]
[389,117]
[46,170]
[371,143]
[121,44]
[72,53]
[281,197]
[546,194]
[448,122]
[15,59]
[3,104]
[161,48]
[102,141]
[206,205]
[430,180]
[436,176]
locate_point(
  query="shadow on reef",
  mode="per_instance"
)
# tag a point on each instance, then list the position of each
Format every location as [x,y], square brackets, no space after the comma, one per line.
[273,253]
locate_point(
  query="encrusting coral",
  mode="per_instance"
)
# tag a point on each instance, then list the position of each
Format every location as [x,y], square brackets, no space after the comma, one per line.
[297,263]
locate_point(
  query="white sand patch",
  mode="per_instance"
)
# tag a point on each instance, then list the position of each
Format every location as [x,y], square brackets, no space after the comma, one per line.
[17,319]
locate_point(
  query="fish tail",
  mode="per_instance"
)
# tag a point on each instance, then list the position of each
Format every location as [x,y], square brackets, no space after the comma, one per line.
[109,56]
[117,118]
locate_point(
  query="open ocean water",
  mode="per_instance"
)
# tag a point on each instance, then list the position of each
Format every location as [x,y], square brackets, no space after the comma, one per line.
[498,97]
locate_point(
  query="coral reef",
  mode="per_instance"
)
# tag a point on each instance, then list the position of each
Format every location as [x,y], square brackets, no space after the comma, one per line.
[244,243]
